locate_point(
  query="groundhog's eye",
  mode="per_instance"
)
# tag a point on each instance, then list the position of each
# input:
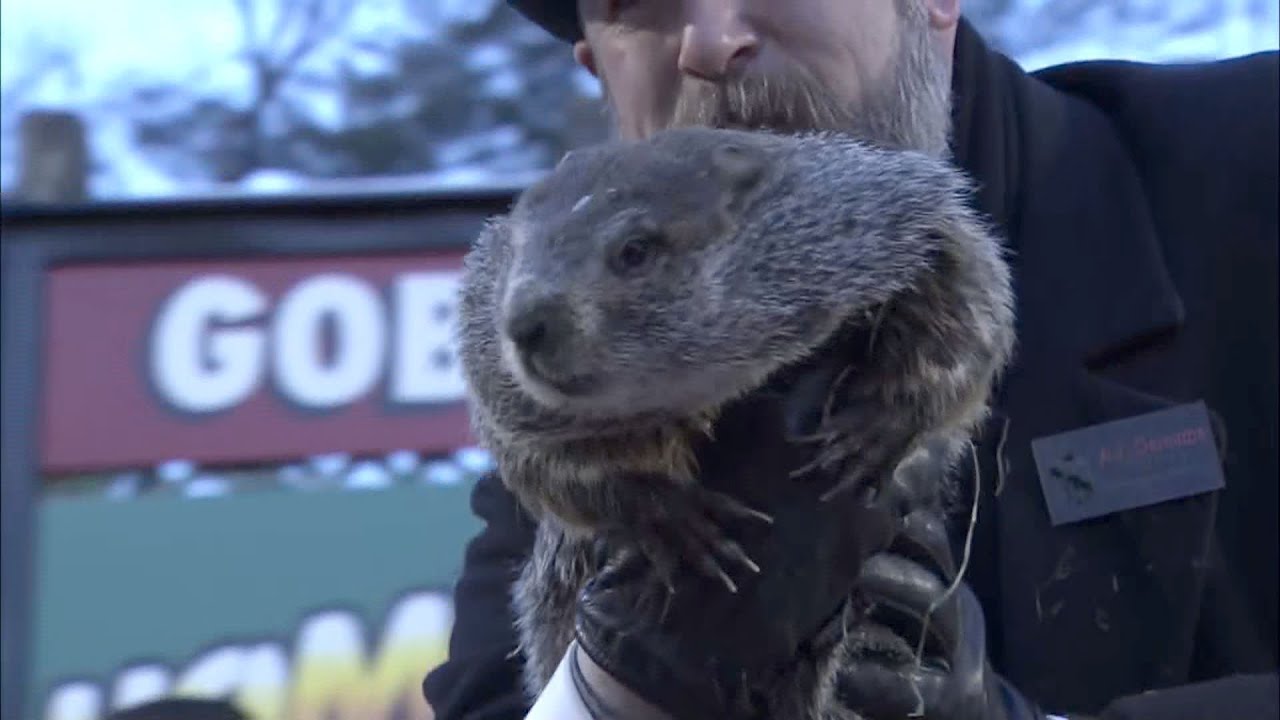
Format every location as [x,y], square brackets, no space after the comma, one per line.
[634,252]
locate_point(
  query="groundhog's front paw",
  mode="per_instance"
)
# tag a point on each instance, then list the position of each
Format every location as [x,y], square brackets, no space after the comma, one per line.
[669,524]
[860,444]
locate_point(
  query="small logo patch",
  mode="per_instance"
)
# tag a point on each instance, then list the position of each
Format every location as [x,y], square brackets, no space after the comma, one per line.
[1128,463]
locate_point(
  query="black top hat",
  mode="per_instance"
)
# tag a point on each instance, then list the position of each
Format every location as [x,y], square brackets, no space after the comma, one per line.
[558,17]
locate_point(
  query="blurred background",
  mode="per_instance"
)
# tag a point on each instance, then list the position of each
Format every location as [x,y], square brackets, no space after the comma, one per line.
[276,95]
[236,456]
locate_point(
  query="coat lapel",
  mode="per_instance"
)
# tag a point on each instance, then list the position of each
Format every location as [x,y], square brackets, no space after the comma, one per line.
[1086,606]
[1094,298]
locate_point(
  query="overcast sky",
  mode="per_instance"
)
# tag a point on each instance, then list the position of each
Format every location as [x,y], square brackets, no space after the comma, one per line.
[161,38]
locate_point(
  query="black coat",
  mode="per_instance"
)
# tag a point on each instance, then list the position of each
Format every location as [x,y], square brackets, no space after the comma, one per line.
[1140,204]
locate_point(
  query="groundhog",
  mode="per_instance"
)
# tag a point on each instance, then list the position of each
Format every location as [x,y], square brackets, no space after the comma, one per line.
[637,289]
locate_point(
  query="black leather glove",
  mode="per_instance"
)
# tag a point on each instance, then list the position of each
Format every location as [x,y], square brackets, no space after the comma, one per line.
[706,652]
[953,679]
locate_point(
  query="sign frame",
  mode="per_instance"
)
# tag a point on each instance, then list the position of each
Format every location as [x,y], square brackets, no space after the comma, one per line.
[34,239]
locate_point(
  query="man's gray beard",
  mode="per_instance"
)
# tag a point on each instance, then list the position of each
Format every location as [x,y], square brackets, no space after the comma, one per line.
[910,109]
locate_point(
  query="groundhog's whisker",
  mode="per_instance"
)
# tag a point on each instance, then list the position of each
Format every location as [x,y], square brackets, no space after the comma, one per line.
[964,561]
[807,467]
[835,390]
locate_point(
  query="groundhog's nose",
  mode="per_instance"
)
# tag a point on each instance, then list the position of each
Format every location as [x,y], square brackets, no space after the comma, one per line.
[539,328]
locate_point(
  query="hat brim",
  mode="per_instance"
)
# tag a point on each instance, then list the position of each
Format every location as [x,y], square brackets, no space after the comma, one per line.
[558,17]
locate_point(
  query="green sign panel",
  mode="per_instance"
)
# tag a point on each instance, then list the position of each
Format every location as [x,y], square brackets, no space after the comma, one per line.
[295,605]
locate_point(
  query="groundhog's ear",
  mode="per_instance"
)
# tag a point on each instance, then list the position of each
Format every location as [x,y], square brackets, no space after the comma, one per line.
[739,167]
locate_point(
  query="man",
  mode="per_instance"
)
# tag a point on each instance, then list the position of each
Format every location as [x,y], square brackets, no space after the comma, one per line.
[1139,204]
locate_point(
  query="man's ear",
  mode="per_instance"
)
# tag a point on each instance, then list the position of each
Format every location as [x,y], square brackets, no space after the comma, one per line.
[585,57]
[943,14]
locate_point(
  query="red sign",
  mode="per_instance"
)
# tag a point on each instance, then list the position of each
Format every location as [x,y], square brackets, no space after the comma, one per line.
[250,360]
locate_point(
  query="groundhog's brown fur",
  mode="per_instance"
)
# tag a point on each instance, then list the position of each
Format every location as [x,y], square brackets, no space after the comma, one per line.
[650,283]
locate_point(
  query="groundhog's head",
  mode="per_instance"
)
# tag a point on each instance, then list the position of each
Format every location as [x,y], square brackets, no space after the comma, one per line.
[617,300]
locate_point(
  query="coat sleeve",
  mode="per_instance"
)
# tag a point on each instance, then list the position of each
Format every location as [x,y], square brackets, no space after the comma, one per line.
[481,679]
[1237,696]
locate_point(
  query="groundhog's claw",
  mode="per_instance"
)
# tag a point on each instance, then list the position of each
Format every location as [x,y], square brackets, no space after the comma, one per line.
[729,508]
[684,524]
[861,445]
[664,552]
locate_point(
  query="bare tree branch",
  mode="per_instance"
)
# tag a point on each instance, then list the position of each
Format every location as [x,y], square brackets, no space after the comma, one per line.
[299,26]
[43,54]
[245,8]
[323,20]
[286,9]
[45,65]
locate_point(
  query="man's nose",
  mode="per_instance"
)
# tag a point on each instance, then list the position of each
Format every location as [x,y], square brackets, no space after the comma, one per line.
[717,40]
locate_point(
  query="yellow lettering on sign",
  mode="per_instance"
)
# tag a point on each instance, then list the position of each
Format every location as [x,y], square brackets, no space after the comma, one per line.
[335,675]
[333,681]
